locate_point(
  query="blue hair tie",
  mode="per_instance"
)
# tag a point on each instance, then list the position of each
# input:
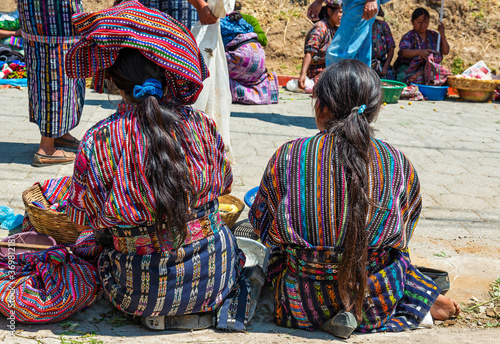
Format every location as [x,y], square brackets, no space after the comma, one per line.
[150,87]
[362,109]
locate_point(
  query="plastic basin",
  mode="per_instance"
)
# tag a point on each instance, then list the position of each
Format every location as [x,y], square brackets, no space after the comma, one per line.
[250,196]
[26,238]
[391,90]
[433,92]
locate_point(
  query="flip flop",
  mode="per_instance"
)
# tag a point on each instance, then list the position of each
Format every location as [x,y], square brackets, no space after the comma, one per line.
[68,144]
[41,160]
[341,325]
[179,322]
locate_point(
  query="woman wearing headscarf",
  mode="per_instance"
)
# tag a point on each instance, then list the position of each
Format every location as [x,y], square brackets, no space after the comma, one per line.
[147,178]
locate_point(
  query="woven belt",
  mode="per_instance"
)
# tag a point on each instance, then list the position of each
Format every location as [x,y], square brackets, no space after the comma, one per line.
[323,264]
[50,39]
[205,221]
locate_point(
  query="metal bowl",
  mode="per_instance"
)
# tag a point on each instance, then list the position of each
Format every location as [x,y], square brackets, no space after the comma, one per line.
[255,252]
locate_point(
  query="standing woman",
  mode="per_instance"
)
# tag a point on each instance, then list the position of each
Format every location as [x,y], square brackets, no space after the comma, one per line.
[55,101]
[318,40]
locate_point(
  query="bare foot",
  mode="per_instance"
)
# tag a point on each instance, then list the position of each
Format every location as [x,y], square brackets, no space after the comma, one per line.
[444,308]
[51,152]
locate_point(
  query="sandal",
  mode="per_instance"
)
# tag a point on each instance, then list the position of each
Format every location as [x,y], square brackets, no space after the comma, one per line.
[40,160]
[180,322]
[71,145]
[341,325]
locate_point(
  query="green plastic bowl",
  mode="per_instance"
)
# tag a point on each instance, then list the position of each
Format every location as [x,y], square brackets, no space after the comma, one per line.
[391,90]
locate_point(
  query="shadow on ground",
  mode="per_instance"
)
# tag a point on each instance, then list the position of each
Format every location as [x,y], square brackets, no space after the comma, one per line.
[306,122]
[17,152]
[110,104]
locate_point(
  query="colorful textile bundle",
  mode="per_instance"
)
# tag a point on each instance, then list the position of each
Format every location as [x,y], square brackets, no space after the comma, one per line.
[160,38]
[46,286]
[56,192]
[249,80]
[86,246]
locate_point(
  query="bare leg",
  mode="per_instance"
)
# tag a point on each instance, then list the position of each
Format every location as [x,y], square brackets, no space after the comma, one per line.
[47,147]
[444,308]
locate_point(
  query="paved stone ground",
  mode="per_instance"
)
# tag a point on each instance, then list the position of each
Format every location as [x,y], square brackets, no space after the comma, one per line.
[455,147]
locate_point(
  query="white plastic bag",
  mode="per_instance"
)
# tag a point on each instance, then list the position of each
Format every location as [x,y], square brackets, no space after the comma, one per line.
[293,86]
[215,98]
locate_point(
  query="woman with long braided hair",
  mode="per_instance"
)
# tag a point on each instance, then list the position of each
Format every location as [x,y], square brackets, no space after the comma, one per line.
[339,209]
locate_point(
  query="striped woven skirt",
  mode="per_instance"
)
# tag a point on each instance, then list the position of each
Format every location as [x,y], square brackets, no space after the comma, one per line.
[398,296]
[46,286]
[201,276]
[55,101]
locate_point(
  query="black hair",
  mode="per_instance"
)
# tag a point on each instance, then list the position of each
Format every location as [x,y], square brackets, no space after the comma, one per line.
[166,168]
[418,12]
[235,16]
[323,13]
[340,92]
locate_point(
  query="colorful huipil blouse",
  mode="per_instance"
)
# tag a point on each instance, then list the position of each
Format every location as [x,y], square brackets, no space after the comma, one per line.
[382,40]
[301,211]
[110,192]
[318,40]
[412,40]
[109,185]
[55,101]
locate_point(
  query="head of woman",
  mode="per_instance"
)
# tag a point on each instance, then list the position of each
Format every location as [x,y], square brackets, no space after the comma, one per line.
[420,20]
[166,168]
[332,12]
[348,97]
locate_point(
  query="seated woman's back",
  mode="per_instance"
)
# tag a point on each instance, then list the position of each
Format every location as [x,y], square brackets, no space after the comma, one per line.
[306,191]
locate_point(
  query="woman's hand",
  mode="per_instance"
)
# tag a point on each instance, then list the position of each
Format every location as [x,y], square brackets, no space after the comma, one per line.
[424,53]
[370,10]
[302,81]
[206,16]
[441,29]
[384,71]
[313,10]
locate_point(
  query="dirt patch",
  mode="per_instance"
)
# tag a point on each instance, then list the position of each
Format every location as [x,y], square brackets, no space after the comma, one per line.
[473,28]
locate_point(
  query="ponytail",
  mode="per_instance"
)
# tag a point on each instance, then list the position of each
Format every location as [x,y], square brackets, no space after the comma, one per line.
[350,93]
[166,168]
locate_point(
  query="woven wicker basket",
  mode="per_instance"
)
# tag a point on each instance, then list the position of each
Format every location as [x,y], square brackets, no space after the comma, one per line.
[231,218]
[46,221]
[475,90]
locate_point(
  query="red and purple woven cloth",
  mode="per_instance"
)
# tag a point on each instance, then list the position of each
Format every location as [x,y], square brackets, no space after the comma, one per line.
[157,35]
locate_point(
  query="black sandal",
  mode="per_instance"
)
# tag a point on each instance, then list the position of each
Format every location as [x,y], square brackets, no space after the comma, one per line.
[186,322]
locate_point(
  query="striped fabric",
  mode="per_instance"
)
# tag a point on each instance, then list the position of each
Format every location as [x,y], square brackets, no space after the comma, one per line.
[109,185]
[55,101]
[46,286]
[161,39]
[301,207]
[180,10]
[248,77]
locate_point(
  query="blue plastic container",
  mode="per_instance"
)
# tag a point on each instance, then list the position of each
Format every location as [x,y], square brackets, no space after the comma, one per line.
[250,196]
[433,92]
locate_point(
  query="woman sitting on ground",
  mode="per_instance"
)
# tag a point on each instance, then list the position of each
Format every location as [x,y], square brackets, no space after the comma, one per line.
[338,210]
[318,40]
[382,47]
[147,178]
[249,79]
[418,48]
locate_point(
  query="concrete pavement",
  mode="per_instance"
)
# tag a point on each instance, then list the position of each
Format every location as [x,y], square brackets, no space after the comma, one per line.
[455,147]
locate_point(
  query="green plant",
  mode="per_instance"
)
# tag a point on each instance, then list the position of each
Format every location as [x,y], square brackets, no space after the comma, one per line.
[442,254]
[457,66]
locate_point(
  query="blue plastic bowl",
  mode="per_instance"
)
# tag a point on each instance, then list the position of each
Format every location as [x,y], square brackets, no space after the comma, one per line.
[432,92]
[250,196]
